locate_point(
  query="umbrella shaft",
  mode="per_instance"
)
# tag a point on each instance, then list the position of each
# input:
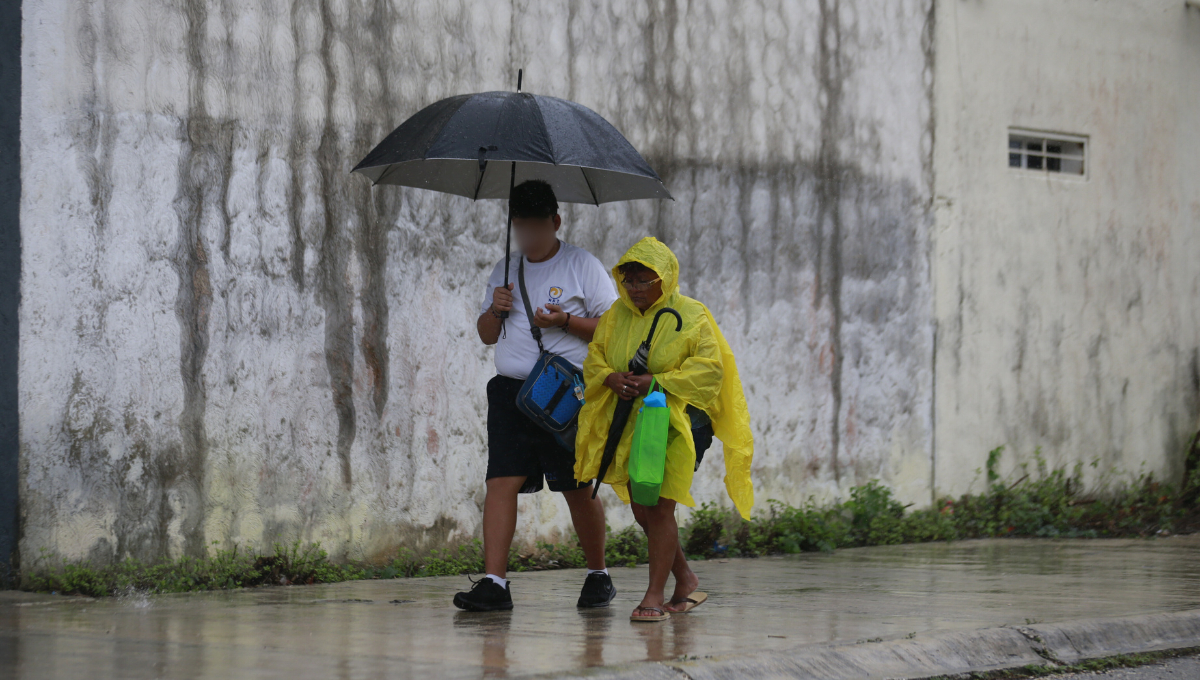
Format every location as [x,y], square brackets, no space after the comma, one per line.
[512,177]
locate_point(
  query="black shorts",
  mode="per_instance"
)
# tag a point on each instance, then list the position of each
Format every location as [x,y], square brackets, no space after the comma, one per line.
[517,447]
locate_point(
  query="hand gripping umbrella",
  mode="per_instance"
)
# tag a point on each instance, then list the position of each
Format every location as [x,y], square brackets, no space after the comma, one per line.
[481,145]
[638,365]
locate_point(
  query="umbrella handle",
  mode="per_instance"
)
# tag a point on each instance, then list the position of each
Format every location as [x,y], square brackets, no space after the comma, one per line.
[654,324]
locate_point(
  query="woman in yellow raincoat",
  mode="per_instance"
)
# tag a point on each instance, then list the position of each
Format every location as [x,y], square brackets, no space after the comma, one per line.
[695,367]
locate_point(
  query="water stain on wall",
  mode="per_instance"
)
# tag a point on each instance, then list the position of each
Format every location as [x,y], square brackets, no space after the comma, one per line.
[330,384]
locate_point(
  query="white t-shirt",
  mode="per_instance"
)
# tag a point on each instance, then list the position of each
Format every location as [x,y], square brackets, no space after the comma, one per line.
[573,278]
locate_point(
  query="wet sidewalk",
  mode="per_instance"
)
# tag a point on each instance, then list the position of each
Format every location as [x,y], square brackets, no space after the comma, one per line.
[408,628]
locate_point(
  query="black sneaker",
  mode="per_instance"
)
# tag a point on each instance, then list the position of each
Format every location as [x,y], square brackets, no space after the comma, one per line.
[485,596]
[597,591]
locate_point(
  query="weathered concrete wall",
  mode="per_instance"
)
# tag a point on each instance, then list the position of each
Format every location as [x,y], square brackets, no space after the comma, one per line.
[227,338]
[1067,309]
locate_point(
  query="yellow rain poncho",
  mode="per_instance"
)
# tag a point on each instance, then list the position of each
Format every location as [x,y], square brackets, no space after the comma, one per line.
[694,366]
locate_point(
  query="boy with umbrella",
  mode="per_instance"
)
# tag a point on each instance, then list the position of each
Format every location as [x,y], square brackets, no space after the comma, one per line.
[569,289]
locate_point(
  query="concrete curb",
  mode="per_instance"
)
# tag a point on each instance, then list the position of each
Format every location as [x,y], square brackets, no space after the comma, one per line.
[1074,641]
[940,654]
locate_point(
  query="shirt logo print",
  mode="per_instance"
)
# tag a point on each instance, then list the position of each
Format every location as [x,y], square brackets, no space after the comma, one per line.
[556,294]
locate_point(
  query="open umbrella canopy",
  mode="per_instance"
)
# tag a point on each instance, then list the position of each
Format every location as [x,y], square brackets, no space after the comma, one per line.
[471,145]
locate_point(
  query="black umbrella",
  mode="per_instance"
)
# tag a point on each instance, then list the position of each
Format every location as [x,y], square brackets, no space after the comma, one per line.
[481,145]
[638,365]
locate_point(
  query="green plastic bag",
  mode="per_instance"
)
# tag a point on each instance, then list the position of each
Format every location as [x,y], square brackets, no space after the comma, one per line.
[648,455]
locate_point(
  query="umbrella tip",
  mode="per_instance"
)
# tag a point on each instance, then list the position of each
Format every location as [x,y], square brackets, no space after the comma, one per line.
[520,75]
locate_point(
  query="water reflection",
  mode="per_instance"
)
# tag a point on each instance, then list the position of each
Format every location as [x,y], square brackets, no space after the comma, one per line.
[671,639]
[491,629]
[596,624]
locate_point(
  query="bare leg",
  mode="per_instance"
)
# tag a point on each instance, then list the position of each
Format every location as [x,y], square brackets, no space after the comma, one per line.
[686,581]
[499,522]
[639,514]
[587,514]
[662,533]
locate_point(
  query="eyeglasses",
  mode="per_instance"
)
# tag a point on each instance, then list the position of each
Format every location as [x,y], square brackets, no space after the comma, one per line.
[639,285]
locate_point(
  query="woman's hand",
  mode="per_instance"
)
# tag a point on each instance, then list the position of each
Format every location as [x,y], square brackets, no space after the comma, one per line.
[627,385]
[641,382]
[622,385]
[552,317]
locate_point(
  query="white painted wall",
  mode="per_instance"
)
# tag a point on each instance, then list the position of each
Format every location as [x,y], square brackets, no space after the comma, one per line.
[226,338]
[1067,310]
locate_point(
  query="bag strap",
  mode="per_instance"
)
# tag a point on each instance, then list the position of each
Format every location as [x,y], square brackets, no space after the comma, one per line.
[556,398]
[537,332]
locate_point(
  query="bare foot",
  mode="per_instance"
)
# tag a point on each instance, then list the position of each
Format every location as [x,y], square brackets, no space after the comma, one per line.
[641,612]
[683,588]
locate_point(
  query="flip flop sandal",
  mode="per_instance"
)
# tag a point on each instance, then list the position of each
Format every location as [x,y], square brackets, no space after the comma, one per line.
[691,601]
[650,619]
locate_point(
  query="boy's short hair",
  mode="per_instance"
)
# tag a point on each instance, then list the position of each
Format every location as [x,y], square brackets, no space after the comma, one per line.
[533,198]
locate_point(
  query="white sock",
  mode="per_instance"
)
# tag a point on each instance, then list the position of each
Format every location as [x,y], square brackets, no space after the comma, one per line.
[598,571]
[502,582]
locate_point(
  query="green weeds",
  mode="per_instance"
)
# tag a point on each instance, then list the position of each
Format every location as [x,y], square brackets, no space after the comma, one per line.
[1038,503]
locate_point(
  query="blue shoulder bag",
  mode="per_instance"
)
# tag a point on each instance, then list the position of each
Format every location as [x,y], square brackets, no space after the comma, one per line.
[553,393]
